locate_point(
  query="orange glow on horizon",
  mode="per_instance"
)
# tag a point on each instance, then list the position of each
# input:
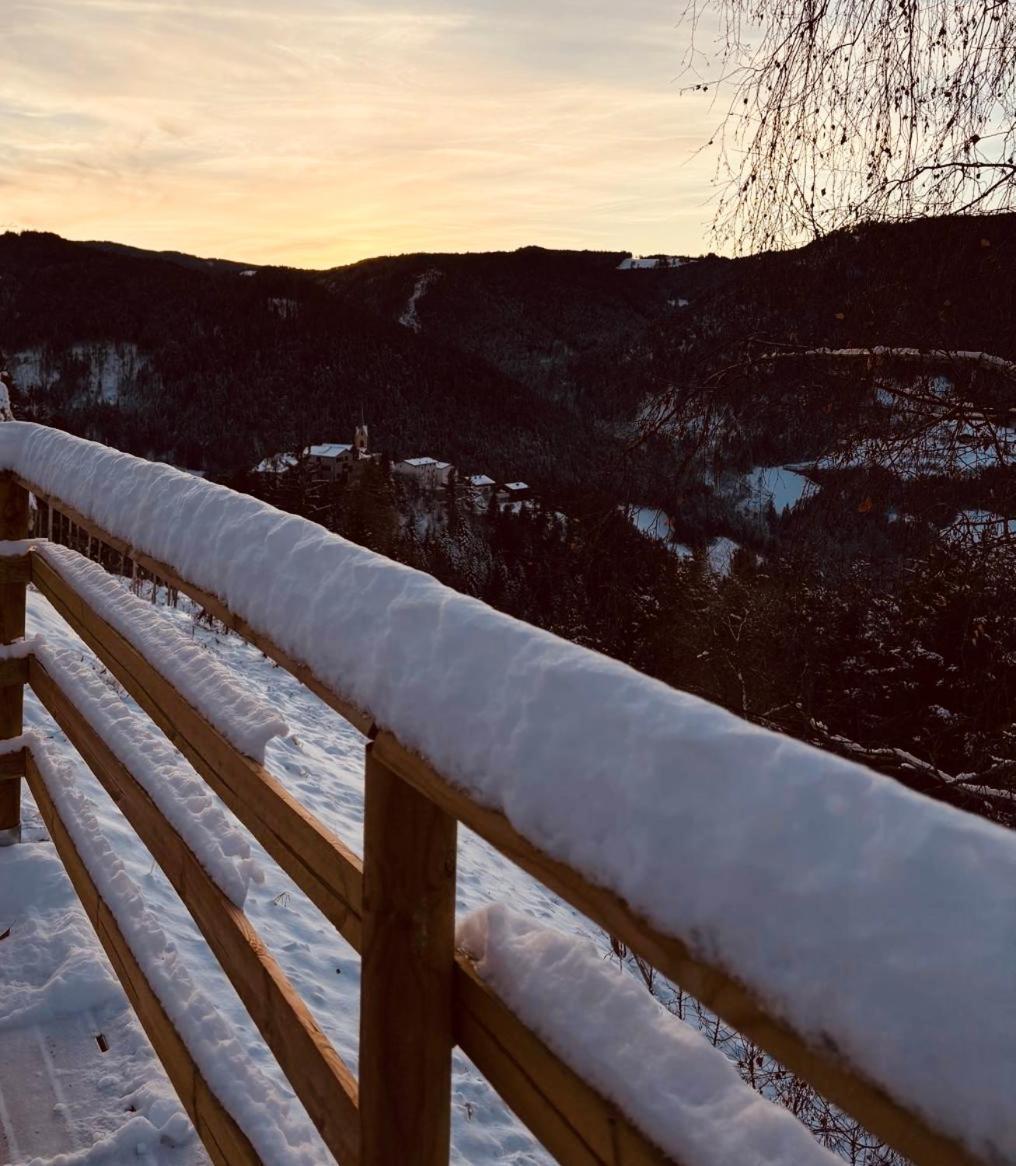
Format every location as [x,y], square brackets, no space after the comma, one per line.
[320,132]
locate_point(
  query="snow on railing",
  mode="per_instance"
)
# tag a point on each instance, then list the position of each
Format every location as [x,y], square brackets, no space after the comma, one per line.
[798,895]
[242,717]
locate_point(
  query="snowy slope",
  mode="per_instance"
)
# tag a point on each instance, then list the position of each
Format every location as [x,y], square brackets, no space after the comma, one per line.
[59,996]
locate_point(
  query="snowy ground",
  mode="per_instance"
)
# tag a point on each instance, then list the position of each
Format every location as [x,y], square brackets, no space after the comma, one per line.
[321,762]
[655,523]
[720,554]
[410,318]
[780,485]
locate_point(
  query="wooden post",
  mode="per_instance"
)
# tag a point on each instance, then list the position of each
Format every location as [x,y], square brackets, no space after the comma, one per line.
[408,962]
[13,525]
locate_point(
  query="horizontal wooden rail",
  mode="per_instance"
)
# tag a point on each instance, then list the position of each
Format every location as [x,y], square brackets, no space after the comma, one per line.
[515,1061]
[225,1141]
[212,604]
[321,1080]
[571,1119]
[302,846]
[731,1000]
[317,861]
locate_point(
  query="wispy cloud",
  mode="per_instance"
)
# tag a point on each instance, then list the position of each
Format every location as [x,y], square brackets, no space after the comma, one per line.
[317,131]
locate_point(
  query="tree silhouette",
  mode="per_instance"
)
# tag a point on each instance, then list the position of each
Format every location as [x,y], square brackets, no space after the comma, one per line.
[846,111]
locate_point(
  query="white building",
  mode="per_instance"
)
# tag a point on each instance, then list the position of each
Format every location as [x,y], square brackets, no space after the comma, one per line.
[516,488]
[481,482]
[332,459]
[427,471]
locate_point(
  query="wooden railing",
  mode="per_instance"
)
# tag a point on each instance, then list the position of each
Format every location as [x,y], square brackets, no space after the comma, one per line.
[419,996]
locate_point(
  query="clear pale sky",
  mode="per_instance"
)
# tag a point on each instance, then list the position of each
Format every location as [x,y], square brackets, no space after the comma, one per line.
[316,132]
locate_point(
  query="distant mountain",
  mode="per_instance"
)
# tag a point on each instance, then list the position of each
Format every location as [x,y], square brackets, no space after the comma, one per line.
[219,367]
[532,364]
[533,314]
[781,571]
[180,257]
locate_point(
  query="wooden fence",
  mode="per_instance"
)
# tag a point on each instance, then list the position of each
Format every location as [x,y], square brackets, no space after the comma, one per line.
[419,997]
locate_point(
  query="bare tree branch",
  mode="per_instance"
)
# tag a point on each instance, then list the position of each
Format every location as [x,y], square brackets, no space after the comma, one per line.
[844,111]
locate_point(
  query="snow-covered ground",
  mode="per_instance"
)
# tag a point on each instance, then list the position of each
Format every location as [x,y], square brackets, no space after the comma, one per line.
[410,318]
[655,523]
[112,367]
[59,998]
[650,521]
[720,553]
[950,448]
[780,485]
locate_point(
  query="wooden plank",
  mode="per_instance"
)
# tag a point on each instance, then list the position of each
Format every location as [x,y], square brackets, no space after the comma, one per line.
[408,958]
[13,525]
[574,1122]
[317,861]
[318,1075]
[215,606]
[226,1143]
[720,991]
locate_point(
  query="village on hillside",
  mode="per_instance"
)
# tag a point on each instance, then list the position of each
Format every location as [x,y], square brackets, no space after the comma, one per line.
[335,461]
[764,488]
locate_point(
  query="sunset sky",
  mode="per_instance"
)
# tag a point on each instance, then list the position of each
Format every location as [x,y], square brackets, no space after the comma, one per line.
[315,132]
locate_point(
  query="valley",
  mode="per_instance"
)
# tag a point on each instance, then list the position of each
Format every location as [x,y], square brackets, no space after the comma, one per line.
[783,482]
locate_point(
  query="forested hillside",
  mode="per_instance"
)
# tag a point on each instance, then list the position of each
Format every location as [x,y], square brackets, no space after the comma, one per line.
[823,538]
[226,366]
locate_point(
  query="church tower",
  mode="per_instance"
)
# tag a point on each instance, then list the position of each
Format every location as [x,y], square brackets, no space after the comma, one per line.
[360,440]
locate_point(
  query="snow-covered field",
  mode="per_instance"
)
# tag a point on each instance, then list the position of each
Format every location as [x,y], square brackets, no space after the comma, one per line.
[655,523]
[54,970]
[780,485]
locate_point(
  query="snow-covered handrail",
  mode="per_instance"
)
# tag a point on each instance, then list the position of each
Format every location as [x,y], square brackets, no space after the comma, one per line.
[799,895]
